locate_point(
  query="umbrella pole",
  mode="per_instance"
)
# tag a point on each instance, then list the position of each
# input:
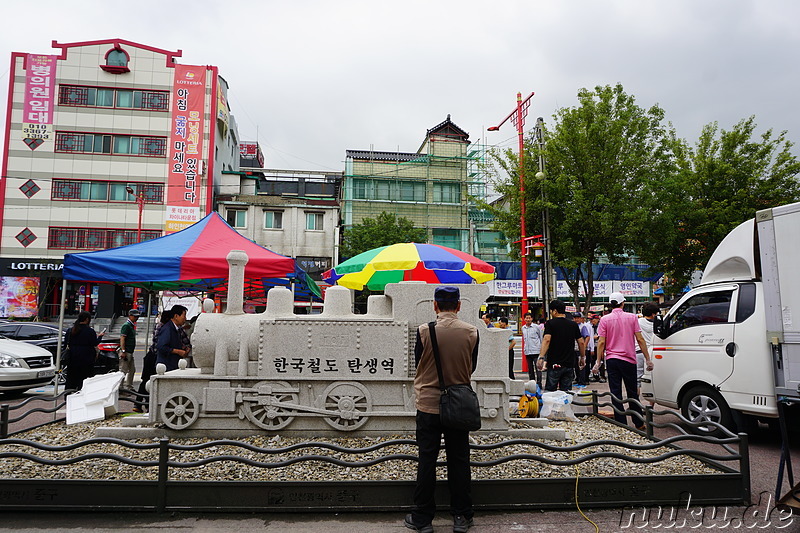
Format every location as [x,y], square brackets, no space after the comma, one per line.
[60,336]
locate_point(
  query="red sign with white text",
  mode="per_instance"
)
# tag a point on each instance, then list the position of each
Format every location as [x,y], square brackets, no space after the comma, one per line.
[186,147]
[38,106]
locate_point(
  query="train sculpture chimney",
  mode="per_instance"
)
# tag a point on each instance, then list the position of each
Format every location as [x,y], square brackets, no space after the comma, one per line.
[237,259]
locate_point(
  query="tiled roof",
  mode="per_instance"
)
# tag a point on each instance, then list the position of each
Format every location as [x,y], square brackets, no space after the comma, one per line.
[384,156]
[449,129]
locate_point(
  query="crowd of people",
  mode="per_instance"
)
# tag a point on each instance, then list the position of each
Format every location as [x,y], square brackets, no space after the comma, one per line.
[573,349]
[169,344]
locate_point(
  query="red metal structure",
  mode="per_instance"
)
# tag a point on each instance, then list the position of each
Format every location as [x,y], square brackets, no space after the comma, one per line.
[518,119]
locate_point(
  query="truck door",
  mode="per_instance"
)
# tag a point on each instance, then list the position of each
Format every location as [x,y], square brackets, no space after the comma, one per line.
[697,333]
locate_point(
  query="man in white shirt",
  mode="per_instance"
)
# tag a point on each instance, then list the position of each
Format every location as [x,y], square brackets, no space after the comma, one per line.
[649,312]
[532,345]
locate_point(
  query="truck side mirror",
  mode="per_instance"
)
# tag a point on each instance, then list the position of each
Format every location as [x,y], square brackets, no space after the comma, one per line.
[659,327]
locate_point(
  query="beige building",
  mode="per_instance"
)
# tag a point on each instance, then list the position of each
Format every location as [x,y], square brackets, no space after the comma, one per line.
[95,131]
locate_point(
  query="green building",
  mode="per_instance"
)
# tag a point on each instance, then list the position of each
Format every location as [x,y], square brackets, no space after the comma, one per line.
[431,187]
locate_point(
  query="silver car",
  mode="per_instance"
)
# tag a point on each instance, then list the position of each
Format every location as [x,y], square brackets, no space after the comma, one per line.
[23,366]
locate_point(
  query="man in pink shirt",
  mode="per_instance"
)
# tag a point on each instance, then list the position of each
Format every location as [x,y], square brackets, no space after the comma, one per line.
[618,334]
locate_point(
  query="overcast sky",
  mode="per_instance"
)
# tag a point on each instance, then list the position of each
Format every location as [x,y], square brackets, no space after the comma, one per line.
[311,79]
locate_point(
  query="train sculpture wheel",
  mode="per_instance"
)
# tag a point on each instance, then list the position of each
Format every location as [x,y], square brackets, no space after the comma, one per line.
[351,403]
[180,410]
[262,409]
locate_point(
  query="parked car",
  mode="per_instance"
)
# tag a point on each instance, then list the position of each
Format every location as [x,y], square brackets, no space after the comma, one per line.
[45,335]
[38,333]
[23,366]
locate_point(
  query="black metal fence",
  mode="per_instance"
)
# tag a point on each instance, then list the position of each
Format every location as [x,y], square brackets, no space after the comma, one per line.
[728,485]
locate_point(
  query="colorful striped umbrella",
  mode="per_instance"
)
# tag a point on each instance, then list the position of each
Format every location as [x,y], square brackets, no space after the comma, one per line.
[409,261]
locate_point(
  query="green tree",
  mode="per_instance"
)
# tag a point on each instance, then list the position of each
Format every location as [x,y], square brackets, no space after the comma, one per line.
[383,230]
[602,159]
[722,182]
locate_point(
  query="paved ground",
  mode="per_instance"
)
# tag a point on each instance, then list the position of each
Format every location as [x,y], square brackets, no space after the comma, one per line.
[730,519]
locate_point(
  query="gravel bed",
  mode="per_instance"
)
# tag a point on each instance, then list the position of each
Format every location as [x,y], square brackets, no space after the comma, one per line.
[584,430]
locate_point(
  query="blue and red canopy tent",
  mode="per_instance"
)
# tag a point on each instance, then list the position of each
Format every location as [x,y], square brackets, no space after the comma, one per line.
[193,259]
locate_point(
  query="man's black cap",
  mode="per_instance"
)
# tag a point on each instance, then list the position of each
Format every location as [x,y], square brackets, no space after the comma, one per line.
[447,294]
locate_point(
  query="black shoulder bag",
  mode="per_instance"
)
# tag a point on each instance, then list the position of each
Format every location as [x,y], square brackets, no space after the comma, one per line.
[458,404]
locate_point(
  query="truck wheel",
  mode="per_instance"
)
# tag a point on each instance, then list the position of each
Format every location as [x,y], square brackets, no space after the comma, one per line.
[704,404]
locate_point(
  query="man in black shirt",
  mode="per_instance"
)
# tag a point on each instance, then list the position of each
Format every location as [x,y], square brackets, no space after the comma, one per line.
[558,353]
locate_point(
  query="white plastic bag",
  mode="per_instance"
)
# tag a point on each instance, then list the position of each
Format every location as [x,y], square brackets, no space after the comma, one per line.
[557,406]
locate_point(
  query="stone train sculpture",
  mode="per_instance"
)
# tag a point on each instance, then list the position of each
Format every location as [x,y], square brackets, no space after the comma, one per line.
[328,374]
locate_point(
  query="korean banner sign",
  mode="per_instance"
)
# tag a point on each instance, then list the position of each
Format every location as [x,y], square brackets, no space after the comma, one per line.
[512,288]
[186,147]
[633,288]
[601,289]
[40,86]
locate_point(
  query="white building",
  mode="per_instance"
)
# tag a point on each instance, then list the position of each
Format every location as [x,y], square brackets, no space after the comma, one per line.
[107,142]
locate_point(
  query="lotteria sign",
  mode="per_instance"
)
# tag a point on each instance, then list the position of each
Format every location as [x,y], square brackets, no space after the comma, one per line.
[36,266]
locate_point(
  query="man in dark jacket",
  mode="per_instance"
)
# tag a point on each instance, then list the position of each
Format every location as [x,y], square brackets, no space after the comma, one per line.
[170,347]
[458,352]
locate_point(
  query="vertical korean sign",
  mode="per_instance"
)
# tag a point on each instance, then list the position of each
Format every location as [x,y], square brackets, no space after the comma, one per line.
[40,86]
[186,147]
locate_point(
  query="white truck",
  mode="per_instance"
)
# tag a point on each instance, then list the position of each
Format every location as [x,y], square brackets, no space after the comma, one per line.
[731,345]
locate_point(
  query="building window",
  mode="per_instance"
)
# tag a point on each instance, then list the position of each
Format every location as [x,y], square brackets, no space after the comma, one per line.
[273,219]
[117,58]
[447,237]
[29,188]
[314,221]
[446,193]
[490,240]
[362,189]
[116,61]
[107,191]
[411,191]
[99,143]
[60,238]
[237,218]
[383,190]
[81,96]
[25,237]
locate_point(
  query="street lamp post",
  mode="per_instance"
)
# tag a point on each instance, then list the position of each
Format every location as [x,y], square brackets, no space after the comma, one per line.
[140,203]
[546,279]
[518,119]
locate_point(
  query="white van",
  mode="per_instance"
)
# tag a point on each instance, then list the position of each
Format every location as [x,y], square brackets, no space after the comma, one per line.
[732,345]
